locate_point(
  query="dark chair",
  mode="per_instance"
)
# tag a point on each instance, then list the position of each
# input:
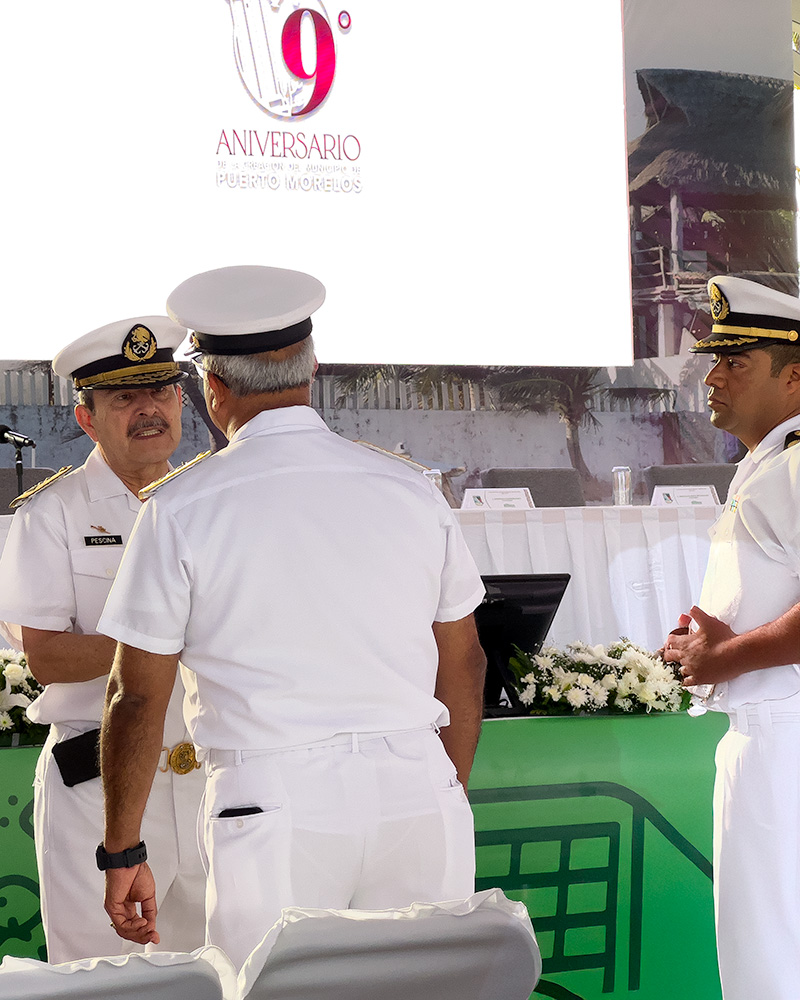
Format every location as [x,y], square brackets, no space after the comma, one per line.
[549,487]
[711,474]
[9,488]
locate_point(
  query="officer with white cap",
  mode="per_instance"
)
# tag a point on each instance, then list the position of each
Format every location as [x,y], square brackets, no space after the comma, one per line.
[744,643]
[321,599]
[63,549]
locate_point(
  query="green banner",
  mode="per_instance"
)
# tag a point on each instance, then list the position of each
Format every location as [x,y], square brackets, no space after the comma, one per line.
[20,921]
[602,827]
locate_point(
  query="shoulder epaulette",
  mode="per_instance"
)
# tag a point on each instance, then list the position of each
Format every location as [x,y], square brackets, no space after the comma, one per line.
[24,497]
[151,488]
[791,439]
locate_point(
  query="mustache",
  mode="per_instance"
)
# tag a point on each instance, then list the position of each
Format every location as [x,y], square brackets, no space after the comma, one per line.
[145,423]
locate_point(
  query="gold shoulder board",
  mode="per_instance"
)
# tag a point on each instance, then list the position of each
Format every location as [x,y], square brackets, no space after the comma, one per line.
[151,488]
[791,439]
[24,497]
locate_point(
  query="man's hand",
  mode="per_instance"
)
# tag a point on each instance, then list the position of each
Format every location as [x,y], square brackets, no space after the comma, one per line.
[125,888]
[708,655]
[137,695]
[684,621]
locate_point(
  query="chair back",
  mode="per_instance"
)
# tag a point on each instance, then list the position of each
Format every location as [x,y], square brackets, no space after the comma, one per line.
[718,475]
[481,948]
[160,976]
[549,487]
[9,487]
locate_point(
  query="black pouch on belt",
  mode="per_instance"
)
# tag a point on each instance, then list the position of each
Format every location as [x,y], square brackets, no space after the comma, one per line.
[78,759]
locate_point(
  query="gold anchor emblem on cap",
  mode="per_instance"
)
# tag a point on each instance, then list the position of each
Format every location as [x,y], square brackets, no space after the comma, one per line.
[139,344]
[719,304]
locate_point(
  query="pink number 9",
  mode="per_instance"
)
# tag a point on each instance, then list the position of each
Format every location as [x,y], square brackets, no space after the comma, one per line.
[326,55]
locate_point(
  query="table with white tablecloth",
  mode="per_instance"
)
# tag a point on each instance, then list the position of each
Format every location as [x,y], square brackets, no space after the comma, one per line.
[633,569]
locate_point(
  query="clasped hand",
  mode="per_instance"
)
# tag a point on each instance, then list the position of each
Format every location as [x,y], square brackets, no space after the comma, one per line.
[707,655]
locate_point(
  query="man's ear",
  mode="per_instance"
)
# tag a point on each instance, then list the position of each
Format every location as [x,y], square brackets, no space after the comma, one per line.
[217,391]
[791,375]
[85,419]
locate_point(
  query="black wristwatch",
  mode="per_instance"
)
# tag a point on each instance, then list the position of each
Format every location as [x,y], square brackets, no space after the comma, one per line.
[128,858]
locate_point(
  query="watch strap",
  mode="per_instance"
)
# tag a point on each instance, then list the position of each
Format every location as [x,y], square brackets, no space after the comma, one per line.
[128,858]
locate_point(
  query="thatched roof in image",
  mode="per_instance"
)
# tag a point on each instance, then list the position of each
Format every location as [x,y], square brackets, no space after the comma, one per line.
[721,134]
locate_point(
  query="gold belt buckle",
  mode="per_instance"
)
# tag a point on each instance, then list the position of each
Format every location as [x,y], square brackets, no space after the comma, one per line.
[182,759]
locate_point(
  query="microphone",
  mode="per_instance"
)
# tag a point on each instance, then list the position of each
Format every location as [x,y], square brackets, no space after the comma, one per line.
[7,436]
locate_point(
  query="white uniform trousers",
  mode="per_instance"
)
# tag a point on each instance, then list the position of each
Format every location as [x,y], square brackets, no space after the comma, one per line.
[360,821]
[757,853]
[68,826]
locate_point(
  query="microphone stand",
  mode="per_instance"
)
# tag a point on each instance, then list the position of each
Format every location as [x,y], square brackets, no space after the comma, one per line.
[18,465]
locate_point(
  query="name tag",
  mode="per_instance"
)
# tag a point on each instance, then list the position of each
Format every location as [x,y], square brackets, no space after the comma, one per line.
[102,539]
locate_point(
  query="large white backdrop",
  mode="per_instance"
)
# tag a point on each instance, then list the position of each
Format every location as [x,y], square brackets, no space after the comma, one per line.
[460,187]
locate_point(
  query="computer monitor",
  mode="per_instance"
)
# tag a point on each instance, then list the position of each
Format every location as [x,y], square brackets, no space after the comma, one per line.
[516,611]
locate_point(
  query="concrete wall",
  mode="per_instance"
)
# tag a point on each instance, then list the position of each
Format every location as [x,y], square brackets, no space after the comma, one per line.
[483,439]
[59,440]
[445,439]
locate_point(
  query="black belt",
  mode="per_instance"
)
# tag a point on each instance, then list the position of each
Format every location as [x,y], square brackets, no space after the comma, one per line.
[78,758]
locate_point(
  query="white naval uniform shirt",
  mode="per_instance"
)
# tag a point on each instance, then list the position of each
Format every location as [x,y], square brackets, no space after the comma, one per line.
[300,574]
[57,567]
[753,573]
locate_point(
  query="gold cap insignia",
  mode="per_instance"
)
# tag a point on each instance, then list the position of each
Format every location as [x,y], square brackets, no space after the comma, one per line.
[719,304]
[24,497]
[139,344]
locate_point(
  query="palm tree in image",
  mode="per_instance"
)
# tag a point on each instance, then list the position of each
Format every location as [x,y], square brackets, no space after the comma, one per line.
[573,393]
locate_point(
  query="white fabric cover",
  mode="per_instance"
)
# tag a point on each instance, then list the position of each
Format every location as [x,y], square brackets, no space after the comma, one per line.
[206,974]
[480,948]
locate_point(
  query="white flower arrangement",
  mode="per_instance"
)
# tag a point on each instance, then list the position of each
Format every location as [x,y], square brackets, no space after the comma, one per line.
[18,688]
[618,678]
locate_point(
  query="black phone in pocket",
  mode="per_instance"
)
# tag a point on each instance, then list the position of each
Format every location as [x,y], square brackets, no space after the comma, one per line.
[240,811]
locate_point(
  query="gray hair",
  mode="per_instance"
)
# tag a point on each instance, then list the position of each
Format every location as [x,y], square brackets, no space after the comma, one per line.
[86,398]
[253,374]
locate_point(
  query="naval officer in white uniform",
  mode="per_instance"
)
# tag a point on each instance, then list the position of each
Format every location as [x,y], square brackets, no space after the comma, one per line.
[320,597]
[63,549]
[743,654]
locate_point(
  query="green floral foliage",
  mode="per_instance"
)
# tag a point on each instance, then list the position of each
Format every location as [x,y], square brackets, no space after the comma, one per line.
[18,688]
[618,678]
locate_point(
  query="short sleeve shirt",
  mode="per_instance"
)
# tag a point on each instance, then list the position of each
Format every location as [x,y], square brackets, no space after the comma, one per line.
[300,575]
[753,574]
[57,567]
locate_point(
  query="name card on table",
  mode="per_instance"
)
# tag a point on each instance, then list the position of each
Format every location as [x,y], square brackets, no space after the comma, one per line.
[684,496]
[514,499]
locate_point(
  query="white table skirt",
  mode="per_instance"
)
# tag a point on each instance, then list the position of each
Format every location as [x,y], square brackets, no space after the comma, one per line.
[634,569]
